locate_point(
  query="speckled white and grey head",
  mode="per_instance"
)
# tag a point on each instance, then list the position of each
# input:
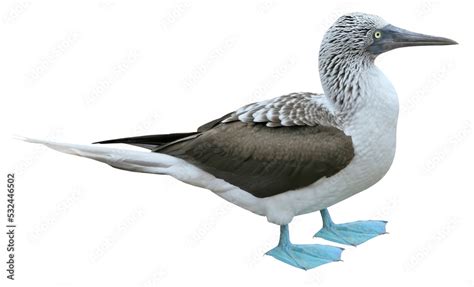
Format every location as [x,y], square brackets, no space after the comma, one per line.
[350,47]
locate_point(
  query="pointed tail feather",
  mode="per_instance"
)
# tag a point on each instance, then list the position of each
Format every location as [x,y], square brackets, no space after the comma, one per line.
[152,142]
[131,160]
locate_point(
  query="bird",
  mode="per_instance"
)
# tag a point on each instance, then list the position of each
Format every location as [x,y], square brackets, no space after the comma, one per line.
[294,154]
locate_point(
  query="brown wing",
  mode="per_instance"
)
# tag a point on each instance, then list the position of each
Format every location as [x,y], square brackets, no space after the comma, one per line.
[266,161]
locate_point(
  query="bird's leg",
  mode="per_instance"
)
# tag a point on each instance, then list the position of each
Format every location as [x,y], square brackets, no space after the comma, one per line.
[304,256]
[351,233]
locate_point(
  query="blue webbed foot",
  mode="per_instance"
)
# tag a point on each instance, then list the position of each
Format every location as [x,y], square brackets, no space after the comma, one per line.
[351,233]
[304,256]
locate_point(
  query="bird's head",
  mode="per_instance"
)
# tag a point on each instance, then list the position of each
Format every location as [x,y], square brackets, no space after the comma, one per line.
[353,42]
[366,36]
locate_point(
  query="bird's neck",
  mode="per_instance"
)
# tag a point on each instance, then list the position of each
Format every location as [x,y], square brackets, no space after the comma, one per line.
[342,78]
[360,93]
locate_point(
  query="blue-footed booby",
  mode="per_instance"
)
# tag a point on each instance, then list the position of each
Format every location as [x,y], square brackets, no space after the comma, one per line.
[297,153]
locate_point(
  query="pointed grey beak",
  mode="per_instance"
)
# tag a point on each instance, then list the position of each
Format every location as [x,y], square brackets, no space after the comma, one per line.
[392,37]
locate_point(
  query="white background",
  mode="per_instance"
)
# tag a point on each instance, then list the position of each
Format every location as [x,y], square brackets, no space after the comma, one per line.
[93,70]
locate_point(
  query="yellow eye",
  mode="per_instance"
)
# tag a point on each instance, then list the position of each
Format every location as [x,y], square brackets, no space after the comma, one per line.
[377,34]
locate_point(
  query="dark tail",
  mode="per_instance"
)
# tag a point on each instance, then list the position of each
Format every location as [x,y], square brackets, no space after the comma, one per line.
[152,142]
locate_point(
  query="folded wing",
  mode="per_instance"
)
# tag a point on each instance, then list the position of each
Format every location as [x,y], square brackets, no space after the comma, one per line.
[264,148]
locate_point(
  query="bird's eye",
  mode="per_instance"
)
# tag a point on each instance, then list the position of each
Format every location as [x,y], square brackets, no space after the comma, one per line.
[377,34]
